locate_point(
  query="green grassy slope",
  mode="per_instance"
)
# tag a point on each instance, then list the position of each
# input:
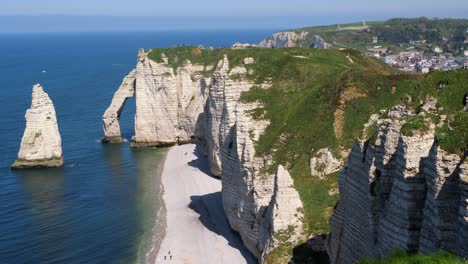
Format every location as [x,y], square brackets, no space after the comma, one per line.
[394,31]
[402,258]
[308,86]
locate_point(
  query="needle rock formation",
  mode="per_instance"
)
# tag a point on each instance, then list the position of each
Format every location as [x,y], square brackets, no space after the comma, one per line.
[41,145]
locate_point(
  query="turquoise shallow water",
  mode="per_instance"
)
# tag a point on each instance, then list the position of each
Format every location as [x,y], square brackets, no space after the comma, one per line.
[101,206]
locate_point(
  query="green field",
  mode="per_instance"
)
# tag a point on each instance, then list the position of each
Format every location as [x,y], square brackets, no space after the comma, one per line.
[449,34]
[403,258]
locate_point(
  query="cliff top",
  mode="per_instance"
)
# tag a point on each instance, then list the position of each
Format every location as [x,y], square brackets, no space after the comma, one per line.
[322,98]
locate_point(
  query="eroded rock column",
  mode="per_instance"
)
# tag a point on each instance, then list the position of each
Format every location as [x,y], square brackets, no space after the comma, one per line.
[41,145]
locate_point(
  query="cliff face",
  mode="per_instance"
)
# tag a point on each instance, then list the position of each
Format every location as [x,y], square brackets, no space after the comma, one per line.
[254,206]
[168,103]
[319,43]
[284,39]
[174,106]
[41,145]
[291,39]
[399,190]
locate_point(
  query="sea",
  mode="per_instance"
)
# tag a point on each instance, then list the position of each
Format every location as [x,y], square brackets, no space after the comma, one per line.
[102,206]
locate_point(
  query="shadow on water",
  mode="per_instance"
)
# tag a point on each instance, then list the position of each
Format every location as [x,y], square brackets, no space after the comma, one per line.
[114,157]
[44,185]
[46,200]
[201,162]
[210,207]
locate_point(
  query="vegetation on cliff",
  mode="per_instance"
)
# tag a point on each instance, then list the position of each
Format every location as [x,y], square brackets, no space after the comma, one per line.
[322,98]
[403,258]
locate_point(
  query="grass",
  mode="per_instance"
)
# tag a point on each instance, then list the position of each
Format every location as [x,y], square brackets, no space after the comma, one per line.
[415,124]
[455,138]
[403,258]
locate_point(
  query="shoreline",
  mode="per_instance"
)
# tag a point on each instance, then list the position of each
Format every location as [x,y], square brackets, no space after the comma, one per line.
[160,223]
[193,227]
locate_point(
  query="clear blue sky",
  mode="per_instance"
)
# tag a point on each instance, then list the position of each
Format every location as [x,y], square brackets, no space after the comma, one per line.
[104,15]
[230,7]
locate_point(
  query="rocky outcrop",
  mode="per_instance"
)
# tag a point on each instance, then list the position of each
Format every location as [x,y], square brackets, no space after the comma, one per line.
[323,163]
[110,120]
[319,43]
[399,192]
[239,45]
[41,145]
[285,39]
[285,213]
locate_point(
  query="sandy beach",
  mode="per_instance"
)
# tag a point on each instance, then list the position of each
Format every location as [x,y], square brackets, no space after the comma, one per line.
[197,229]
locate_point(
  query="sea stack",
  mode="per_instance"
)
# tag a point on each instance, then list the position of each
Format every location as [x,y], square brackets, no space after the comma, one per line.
[41,145]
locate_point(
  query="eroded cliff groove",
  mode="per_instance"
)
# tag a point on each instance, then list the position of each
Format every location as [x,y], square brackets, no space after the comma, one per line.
[399,191]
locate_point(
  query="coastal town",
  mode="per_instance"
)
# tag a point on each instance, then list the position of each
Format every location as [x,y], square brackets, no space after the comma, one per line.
[419,56]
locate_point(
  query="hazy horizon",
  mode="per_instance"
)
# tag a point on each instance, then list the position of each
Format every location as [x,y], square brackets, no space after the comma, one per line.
[149,15]
[92,23]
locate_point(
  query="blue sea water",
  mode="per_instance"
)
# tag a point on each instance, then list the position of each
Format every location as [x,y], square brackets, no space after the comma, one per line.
[102,205]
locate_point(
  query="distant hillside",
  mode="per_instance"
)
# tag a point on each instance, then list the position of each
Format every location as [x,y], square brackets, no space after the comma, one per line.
[450,34]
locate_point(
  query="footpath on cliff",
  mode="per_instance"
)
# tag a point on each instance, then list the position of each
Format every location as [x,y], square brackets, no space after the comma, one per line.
[197,229]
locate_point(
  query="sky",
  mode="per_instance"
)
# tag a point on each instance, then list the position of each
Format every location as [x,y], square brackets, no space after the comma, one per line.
[58,15]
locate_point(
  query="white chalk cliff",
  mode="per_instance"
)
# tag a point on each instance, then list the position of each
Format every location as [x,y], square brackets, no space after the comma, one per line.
[400,192]
[41,145]
[169,103]
[176,105]
[291,39]
[285,39]
[110,120]
[248,194]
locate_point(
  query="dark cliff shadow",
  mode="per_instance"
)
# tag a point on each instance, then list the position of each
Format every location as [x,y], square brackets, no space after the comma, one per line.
[201,162]
[212,216]
[443,198]
[312,251]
